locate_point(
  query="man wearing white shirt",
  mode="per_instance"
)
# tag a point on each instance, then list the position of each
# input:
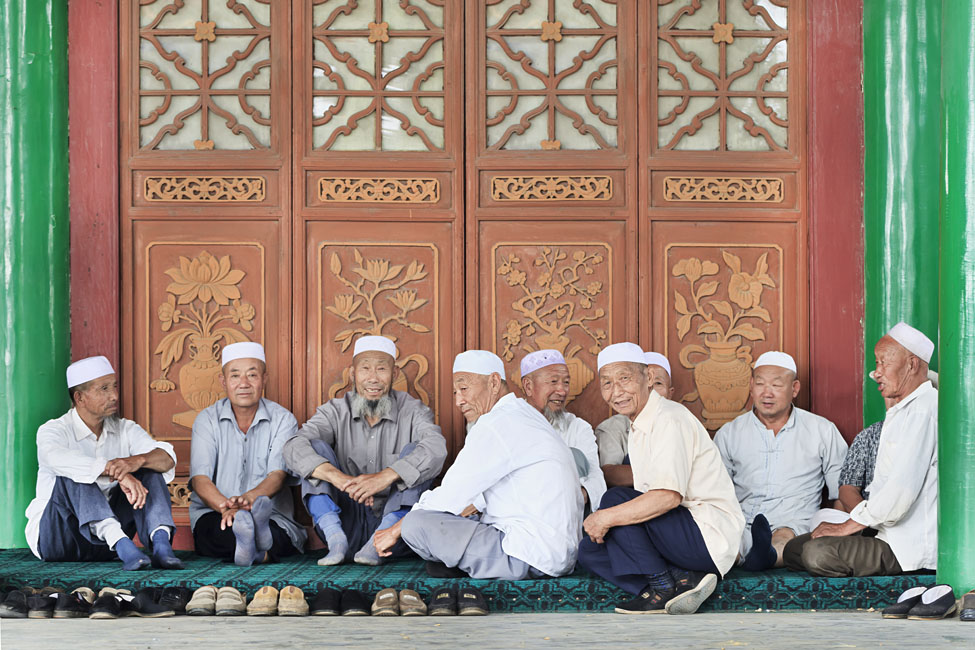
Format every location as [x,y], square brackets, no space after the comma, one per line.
[520,474]
[903,501]
[779,457]
[100,479]
[545,380]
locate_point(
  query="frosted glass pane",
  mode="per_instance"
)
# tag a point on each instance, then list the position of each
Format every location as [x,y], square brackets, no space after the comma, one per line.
[695,79]
[227,18]
[742,19]
[573,18]
[395,136]
[395,55]
[523,80]
[742,48]
[530,17]
[702,18]
[398,18]
[708,138]
[220,130]
[357,19]
[183,18]
[184,137]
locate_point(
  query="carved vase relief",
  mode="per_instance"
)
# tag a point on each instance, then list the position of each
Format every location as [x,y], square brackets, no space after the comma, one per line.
[202,312]
[553,297]
[726,314]
[384,296]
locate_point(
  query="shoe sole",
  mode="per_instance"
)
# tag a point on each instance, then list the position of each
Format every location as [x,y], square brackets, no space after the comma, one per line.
[947,614]
[70,614]
[231,612]
[620,610]
[36,614]
[154,615]
[356,612]
[200,611]
[443,611]
[324,612]
[102,616]
[689,601]
[472,611]
[893,616]
[287,611]
[413,612]
[385,611]
[262,612]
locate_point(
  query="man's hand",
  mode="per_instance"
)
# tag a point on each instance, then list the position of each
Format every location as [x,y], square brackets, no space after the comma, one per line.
[332,474]
[365,486]
[469,510]
[848,527]
[243,502]
[227,518]
[597,525]
[133,489]
[384,540]
[118,467]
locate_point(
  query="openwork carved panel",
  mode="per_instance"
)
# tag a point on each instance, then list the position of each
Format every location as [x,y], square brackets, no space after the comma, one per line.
[379,190]
[723,74]
[712,189]
[378,75]
[552,188]
[196,189]
[551,74]
[179,494]
[204,74]
[380,289]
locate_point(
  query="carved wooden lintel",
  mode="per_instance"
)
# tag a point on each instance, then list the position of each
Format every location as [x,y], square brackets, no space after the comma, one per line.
[552,188]
[202,189]
[714,189]
[379,190]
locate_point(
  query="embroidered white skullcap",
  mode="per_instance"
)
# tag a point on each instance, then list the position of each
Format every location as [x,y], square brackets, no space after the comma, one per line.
[628,352]
[657,359]
[243,350]
[374,344]
[913,340]
[479,362]
[539,359]
[87,369]
[778,359]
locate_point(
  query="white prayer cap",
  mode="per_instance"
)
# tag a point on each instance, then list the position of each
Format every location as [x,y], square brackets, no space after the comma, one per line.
[913,340]
[657,359]
[243,350]
[374,344]
[479,362]
[628,352]
[778,359]
[87,369]
[539,359]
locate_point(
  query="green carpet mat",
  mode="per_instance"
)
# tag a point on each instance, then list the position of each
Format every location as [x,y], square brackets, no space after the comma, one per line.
[742,591]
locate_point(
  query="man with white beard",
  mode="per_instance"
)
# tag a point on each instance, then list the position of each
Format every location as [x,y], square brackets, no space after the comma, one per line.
[365,458]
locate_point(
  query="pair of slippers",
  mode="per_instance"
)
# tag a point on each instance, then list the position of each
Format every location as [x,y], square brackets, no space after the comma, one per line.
[925,604]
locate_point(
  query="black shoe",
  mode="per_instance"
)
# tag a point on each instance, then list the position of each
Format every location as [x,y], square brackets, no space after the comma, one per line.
[443,602]
[175,598]
[107,605]
[471,602]
[41,606]
[71,605]
[647,601]
[692,588]
[936,603]
[904,603]
[968,607]
[327,602]
[143,606]
[14,605]
[354,603]
[441,570]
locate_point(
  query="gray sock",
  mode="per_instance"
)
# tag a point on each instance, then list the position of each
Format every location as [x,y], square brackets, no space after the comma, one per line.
[261,512]
[243,527]
[330,528]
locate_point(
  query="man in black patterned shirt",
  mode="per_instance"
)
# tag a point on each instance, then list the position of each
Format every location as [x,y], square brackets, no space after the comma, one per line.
[857,472]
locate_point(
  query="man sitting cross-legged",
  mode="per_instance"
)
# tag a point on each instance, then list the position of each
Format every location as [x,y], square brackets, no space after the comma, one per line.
[101,479]
[520,474]
[665,540]
[365,458]
[545,380]
[612,433]
[779,457]
[241,507]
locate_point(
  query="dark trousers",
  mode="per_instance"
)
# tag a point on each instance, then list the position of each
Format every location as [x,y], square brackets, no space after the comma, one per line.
[359,522]
[210,541]
[840,557]
[64,533]
[629,554]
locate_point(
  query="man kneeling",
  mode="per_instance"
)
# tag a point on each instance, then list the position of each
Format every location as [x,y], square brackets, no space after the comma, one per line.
[518,472]
[665,540]
[101,479]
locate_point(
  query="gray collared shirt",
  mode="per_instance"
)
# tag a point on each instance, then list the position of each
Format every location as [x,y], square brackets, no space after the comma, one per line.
[237,462]
[364,449]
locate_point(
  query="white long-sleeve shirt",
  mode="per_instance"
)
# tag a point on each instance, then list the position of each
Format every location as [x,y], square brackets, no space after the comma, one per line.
[527,481]
[903,503]
[578,434]
[67,447]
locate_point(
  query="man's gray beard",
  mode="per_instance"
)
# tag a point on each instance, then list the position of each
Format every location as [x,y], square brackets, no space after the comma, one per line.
[555,418]
[375,409]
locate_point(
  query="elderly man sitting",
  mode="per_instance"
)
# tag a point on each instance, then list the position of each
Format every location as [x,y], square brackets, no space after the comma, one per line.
[241,507]
[100,479]
[365,458]
[779,457]
[665,540]
[520,474]
[612,433]
[545,380]
[903,501]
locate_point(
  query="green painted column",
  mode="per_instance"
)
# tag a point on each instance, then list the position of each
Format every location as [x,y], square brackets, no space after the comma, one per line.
[956,350]
[902,160]
[34,330]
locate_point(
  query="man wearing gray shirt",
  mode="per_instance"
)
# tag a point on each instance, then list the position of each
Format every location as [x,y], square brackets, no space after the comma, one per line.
[365,458]
[240,505]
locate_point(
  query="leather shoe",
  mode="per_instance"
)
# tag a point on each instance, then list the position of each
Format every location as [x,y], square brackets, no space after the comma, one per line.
[230,602]
[264,603]
[443,602]
[143,606]
[107,605]
[203,601]
[14,605]
[327,602]
[291,602]
[354,603]
[386,603]
[904,603]
[41,606]
[410,604]
[968,607]
[73,605]
[471,602]
[648,601]
[175,598]
[936,603]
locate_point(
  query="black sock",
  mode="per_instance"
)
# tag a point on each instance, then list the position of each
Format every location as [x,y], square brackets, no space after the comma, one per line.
[762,556]
[661,582]
[441,570]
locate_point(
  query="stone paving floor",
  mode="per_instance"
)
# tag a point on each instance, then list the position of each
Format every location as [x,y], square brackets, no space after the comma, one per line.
[715,630]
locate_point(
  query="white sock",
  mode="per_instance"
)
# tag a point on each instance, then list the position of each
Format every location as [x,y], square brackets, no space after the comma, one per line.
[108,530]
